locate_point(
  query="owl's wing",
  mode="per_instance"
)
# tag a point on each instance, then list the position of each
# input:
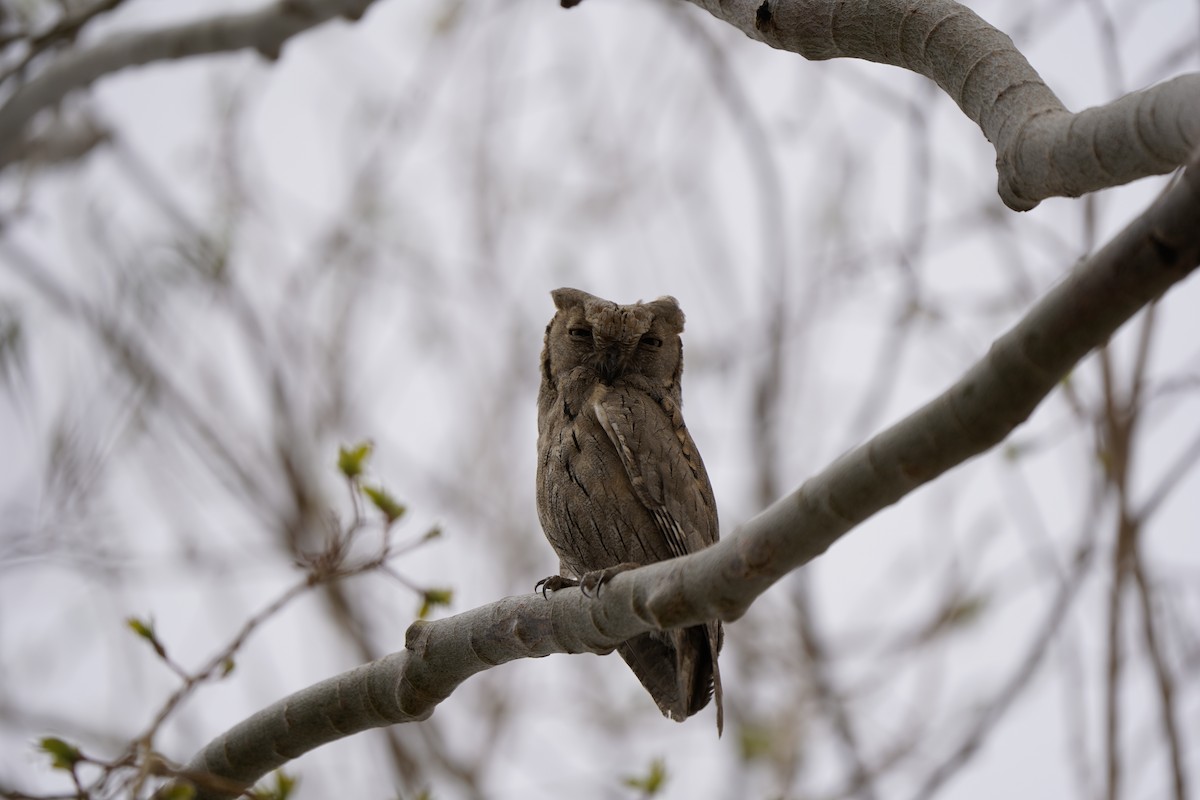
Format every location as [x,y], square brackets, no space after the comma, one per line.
[663,465]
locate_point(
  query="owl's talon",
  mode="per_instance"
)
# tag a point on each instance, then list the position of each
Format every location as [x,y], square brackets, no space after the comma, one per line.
[553,584]
[591,582]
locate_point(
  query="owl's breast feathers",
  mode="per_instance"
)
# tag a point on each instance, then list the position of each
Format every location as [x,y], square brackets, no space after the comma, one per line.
[662,464]
[620,481]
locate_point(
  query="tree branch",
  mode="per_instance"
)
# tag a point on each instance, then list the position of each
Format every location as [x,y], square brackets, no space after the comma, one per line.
[1042,149]
[265,30]
[1155,251]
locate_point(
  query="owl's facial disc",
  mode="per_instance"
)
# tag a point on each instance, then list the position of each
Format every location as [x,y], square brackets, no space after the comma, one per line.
[607,336]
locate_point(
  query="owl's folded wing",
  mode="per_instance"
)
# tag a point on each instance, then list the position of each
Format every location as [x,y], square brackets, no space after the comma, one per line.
[663,466]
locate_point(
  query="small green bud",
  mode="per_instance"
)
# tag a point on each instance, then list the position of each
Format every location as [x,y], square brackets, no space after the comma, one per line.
[653,782]
[178,790]
[145,629]
[392,509]
[353,460]
[62,755]
[433,598]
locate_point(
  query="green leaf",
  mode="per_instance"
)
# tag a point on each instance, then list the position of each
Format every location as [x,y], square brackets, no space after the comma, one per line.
[145,629]
[227,666]
[178,790]
[62,755]
[142,629]
[284,786]
[392,509]
[653,782]
[433,533]
[433,598]
[353,460]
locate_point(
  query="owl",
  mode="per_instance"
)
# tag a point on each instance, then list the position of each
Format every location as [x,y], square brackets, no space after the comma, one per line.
[620,483]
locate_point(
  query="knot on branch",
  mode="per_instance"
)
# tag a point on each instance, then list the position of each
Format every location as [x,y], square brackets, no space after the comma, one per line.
[764,20]
[416,638]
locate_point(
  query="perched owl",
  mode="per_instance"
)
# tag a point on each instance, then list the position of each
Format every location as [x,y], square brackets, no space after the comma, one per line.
[620,483]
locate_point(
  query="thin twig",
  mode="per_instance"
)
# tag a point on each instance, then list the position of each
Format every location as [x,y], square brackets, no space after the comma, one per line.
[991,713]
[1163,678]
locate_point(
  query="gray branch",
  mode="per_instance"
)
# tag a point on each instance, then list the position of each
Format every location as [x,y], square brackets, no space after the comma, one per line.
[1042,149]
[265,30]
[1160,248]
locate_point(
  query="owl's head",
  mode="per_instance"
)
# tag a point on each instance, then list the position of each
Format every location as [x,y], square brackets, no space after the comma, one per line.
[641,339]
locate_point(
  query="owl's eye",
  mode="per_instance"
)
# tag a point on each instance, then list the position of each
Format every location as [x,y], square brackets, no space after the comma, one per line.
[580,333]
[651,341]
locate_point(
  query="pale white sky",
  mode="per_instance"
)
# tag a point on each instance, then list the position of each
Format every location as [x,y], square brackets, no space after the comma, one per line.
[605,159]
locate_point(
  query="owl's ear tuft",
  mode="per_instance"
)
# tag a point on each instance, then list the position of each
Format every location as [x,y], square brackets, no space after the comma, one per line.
[667,309]
[569,298]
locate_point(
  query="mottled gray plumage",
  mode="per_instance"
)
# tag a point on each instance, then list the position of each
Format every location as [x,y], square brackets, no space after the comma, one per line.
[619,480]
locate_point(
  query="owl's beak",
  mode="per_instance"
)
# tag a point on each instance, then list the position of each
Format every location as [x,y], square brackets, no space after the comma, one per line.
[611,363]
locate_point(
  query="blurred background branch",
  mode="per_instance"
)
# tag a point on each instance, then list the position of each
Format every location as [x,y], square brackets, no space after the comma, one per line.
[216,271]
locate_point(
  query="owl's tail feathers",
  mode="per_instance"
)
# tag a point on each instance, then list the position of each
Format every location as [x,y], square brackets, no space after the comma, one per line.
[652,657]
[716,636]
[678,669]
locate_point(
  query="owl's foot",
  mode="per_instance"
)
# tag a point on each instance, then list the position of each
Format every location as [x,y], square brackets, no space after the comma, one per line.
[553,584]
[591,582]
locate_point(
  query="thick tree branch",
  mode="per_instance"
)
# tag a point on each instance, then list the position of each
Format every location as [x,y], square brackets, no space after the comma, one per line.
[1157,250]
[1042,149]
[264,30]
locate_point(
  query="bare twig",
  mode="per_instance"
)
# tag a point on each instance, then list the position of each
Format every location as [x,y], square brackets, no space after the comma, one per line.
[265,30]
[63,31]
[994,710]
[829,698]
[1114,660]
[1162,674]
